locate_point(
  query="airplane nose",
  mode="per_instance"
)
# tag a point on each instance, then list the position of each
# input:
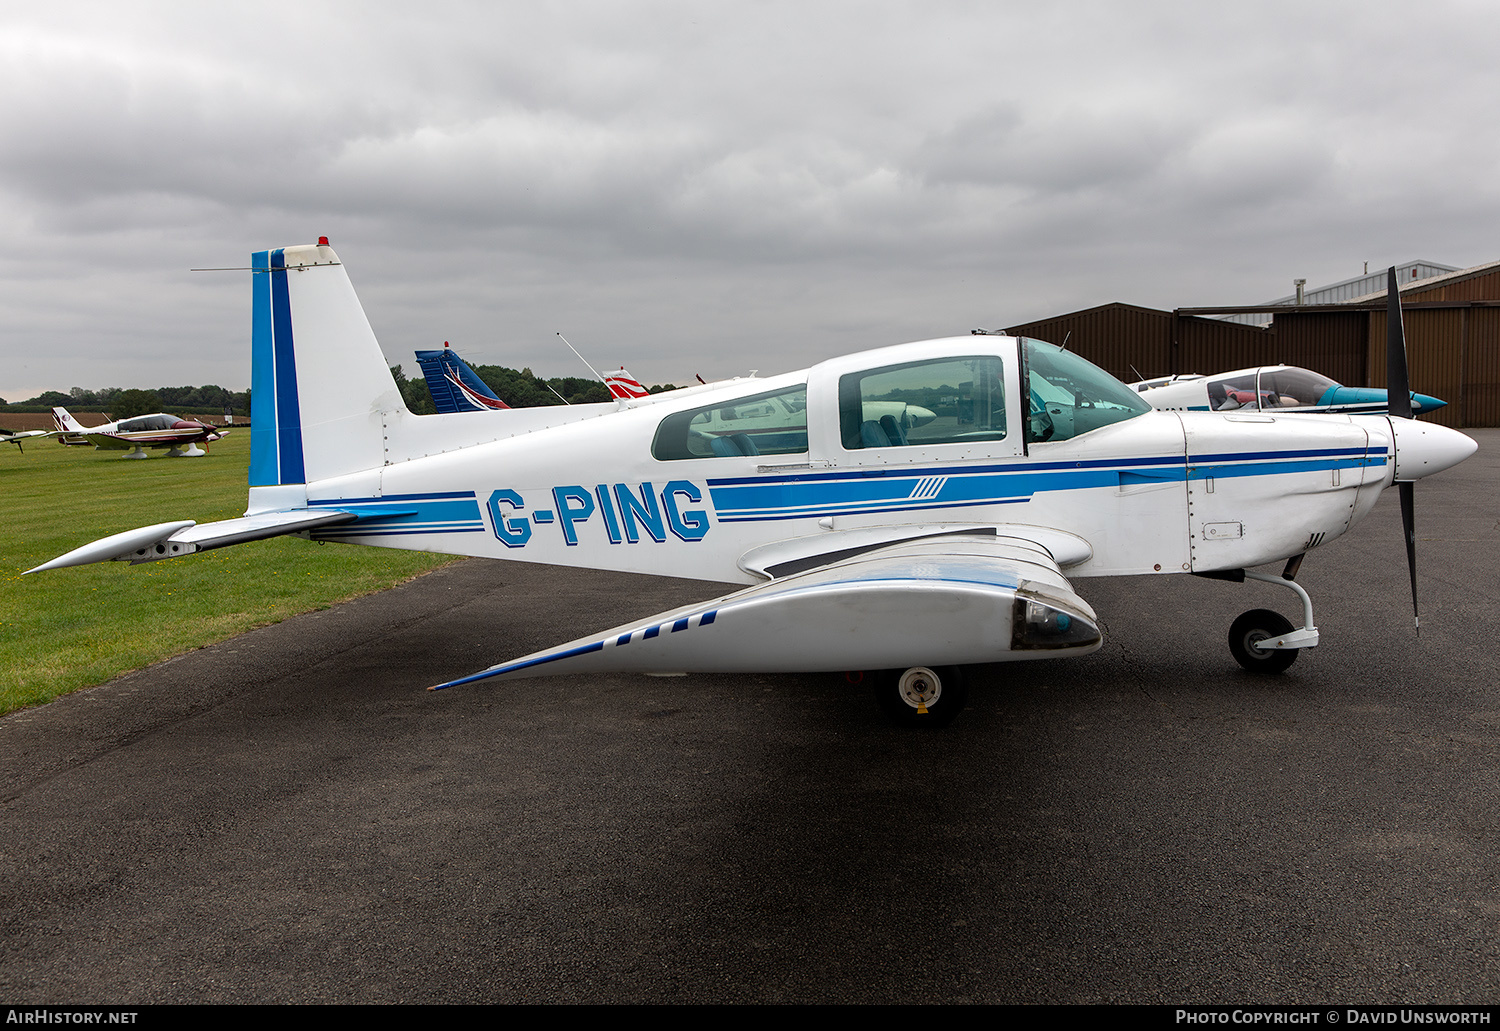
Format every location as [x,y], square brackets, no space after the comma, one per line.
[1423,448]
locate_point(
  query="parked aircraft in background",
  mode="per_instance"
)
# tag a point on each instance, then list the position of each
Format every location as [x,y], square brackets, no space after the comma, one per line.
[1271,388]
[453,385]
[954,542]
[624,386]
[457,388]
[159,430]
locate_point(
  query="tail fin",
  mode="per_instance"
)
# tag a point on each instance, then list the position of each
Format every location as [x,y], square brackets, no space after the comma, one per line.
[453,385]
[320,387]
[65,422]
[623,385]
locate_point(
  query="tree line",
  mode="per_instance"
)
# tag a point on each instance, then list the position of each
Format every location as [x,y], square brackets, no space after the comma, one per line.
[125,403]
[517,388]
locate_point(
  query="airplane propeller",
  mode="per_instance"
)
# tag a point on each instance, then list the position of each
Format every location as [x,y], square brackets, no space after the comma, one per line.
[1398,394]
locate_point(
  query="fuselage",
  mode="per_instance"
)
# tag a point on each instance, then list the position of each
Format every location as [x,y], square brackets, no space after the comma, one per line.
[686,487]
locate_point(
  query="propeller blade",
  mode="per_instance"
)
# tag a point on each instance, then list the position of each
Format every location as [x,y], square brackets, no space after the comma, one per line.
[1397,385]
[1398,396]
[1408,527]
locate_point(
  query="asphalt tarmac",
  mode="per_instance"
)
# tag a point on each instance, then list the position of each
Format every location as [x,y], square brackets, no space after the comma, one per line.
[290,816]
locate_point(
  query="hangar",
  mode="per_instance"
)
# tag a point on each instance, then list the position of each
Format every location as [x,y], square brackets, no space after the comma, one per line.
[1452,332]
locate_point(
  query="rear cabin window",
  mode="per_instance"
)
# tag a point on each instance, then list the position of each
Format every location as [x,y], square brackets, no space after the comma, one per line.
[773,423]
[946,401]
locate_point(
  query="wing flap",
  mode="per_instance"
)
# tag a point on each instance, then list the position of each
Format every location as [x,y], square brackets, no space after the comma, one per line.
[939,601]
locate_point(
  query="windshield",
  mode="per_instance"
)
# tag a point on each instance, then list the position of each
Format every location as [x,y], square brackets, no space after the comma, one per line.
[1070,395]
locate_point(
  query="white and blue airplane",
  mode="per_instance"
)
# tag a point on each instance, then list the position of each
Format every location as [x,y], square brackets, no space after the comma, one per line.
[865,543]
[1282,389]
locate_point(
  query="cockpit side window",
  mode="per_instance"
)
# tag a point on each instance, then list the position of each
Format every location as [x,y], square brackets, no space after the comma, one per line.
[945,401]
[772,423]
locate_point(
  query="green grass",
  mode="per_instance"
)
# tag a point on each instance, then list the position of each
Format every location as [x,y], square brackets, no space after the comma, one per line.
[71,628]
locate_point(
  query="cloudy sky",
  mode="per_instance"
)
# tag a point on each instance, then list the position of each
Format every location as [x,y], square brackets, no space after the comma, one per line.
[707,187]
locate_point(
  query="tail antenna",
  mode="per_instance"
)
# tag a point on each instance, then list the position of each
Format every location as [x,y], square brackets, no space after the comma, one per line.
[585,361]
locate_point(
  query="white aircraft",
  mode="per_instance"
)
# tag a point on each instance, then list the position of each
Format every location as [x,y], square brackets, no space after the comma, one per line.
[1271,388]
[862,552]
[135,435]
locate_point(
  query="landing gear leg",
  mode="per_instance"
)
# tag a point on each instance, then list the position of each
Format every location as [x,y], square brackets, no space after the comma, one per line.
[1263,641]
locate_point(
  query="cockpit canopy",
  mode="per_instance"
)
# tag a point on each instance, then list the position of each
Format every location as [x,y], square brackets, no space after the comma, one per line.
[1278,387]
[159,421]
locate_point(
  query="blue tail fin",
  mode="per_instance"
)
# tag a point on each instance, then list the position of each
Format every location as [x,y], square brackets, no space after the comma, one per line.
[454,386]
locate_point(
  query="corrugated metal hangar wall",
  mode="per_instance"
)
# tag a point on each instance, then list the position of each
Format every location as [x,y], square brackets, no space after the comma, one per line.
[1452,341]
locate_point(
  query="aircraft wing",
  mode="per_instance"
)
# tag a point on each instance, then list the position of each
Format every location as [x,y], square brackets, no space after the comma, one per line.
[7,437]
[952,599]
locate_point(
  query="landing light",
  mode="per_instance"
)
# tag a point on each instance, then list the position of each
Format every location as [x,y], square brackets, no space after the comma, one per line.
[1038,624]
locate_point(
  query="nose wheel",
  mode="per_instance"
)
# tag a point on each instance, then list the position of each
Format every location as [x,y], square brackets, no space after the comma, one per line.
[1263,641]
[922,696]
[1252,640]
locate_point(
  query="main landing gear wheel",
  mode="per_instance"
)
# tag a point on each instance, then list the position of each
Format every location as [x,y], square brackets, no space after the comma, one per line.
[1248,631]
[922,697]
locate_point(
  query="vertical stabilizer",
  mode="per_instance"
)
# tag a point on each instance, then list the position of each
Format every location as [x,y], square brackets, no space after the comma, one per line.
[454,386]
[321,391]
[64,421]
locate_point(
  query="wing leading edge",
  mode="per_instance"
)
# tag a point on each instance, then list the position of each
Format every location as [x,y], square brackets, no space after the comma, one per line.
[948,601]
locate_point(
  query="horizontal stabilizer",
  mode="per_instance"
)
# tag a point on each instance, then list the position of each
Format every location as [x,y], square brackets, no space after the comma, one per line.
[120,546]
[948,600]
[173,540]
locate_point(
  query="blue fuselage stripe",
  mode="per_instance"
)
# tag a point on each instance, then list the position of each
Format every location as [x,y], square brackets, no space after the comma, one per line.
[895,489]
[398,515]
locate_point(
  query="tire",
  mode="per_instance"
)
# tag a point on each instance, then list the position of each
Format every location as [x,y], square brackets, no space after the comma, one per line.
[1249,630]
[922,696]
